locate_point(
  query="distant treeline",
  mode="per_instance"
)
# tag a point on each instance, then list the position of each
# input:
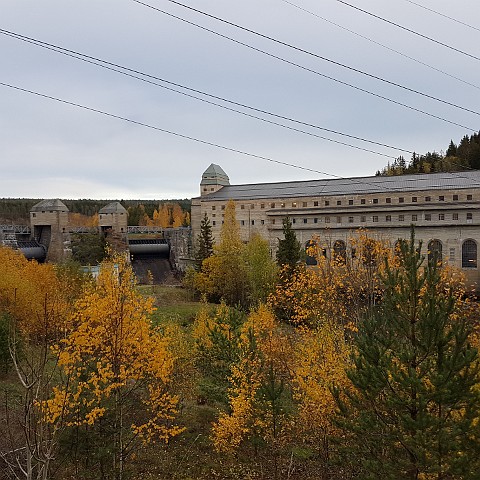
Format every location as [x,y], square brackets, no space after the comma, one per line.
[464,156]
[14,210]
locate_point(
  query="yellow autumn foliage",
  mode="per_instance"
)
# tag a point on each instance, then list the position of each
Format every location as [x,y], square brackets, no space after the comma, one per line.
[321,358]
[264,351]
[340,286]
[32,294]
[114,352]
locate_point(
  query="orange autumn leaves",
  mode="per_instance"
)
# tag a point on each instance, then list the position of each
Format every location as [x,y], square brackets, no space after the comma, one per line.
[102,344]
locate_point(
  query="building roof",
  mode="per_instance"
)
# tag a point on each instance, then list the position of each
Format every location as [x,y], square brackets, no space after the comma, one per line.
[349,186]
[114,207]
[50,205]
[214,175]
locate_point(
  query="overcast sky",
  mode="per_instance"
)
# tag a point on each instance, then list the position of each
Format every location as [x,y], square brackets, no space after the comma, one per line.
[49,149]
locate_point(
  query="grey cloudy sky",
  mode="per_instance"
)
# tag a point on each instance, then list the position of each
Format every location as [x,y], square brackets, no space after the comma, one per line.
[48,149]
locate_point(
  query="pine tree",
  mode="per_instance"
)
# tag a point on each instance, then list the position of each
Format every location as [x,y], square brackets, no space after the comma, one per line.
[451,150]
[204,242]
[411,411]
[290,250]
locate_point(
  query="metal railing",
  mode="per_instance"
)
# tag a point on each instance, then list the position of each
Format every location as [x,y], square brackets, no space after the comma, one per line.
[24,229]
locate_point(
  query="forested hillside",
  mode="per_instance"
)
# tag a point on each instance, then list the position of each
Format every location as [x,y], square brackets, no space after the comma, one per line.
[464,156]
[16,210]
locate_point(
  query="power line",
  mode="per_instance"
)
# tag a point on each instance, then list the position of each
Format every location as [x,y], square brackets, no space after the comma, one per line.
[420,62]
[438,42]
[153,127]
[443,15]
[193,139]
[307,69]
[320,57]
[118,68]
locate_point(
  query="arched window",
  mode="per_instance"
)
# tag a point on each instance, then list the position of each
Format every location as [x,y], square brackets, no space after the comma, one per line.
[340,251]
[311,252]
[469,254]
[435,252]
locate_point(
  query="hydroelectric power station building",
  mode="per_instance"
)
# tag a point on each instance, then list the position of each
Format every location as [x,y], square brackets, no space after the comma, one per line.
[443,207]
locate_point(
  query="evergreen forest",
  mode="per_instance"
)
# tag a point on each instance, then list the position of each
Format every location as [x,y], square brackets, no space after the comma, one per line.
[461,157]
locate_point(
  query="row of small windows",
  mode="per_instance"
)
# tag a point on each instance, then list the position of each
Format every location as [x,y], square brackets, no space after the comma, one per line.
[387,218]
[363,201]
[434,251]
[363,219]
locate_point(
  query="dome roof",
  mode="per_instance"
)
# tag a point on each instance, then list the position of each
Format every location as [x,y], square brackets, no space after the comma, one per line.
[214,175]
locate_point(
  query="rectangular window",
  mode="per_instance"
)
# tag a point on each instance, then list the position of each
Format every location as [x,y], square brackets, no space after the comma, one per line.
[214,223]
[441,216]
[242,207]
[339,219]
[315,220]
[294,204]
[455,198]
[401,218]
[455,216]
[375,219]
[262,205]
[363,218]
[315,204]
[469,197]
[214,215]
[375,201]
[327,219]
[305,220]
[253,222]
[388,218]
[401,200]
[428,216]
[273,221]
[272,205]
[428,199]
[213,207]
[304,204]
[469,216]
[294,220]
[350,202]
[252,206]
[223,207]
[452,254]
[362,201]
[388,200]
[350,219]
[339,202]
[414,218]
[242,222]
[262,222]
[441,198]
[414,199]
[327,203]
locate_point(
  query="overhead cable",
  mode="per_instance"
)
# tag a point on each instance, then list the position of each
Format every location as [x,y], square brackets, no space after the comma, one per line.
[320,57]
[139,76]
[443,15]
[438,42]
[375,42]
[154,127]
[193,139]
[310,70]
